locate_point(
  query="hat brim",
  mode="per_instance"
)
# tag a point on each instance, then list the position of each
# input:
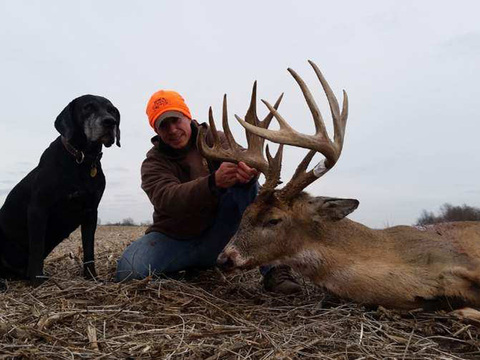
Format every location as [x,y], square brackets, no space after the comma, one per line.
[169,114]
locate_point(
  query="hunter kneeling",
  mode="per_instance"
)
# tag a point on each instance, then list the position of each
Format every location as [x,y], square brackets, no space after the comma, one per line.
[198,203]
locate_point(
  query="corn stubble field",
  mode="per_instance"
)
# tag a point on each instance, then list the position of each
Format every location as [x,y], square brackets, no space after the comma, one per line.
[205,315]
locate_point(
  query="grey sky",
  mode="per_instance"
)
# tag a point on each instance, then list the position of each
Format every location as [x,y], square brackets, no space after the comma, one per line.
[411,70]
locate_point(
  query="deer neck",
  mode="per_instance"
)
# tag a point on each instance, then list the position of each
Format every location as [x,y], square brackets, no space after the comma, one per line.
[330,247]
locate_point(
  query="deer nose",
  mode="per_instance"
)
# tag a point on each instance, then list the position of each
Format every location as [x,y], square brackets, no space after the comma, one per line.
[225,262]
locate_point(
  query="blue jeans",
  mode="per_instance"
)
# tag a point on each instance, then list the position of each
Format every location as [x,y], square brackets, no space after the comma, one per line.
[157,253]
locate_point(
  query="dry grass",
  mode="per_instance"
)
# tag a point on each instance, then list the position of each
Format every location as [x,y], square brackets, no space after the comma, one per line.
[205,316]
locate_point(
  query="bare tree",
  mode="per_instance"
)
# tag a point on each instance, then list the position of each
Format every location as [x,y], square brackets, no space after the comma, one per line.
[449,213]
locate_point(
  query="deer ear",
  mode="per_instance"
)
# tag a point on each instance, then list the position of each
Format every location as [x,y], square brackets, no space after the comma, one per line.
[333,209]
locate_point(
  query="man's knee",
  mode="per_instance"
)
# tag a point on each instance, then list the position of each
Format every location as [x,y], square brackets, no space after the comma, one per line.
[137,259]
[154,254]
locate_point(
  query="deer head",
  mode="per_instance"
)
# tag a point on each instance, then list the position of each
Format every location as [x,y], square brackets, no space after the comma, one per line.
[280,221]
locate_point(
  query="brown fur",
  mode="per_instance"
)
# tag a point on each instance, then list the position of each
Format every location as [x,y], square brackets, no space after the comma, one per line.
[399,267]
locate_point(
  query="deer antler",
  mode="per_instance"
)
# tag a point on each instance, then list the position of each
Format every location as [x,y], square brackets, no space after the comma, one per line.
[320,142]
[253,155]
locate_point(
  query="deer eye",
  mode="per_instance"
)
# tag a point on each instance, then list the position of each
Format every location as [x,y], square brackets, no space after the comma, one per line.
[273,222]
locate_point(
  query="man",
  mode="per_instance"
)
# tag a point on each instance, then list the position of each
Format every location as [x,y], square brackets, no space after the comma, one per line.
[197,204]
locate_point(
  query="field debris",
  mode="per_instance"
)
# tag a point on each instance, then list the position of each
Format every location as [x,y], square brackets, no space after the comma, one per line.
[205,315]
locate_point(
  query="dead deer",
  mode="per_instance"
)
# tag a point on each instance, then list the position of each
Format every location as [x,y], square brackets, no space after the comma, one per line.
[399,267]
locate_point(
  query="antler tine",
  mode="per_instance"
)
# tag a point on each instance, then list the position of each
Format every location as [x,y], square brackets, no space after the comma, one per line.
[253,141]
[216,151]
[257,131]
[252,118]
[302,167]
[265,123]
[216,140]
[272,178]
[256,143]
[344,114]
[317,115]
[339,119]
[252,156]
[288,136]
[226,128]
[320,142]
[301,179]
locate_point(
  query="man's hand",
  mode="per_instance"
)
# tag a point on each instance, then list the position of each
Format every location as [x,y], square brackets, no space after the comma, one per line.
[245,173]
[226,175]
[229,174]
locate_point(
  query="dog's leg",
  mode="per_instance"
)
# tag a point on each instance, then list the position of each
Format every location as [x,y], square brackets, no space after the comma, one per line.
[3,285]
[37,227]
[88,236]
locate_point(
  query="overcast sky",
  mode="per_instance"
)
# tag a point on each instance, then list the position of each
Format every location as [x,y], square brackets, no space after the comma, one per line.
[411,70]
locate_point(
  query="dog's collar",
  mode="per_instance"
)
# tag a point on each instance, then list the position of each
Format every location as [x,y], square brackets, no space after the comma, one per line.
[80,156]
[77,154]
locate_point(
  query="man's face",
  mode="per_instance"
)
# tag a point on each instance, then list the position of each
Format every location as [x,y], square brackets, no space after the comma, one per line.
[175,131]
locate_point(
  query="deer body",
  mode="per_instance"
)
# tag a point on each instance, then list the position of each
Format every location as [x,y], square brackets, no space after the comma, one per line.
[399,267]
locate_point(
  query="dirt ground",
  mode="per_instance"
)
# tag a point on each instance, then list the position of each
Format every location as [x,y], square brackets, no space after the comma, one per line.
[205,315]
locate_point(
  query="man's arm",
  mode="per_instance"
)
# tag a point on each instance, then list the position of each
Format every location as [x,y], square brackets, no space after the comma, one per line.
[166,192]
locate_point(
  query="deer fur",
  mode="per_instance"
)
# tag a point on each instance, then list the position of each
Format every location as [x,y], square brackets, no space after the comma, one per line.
[399,267]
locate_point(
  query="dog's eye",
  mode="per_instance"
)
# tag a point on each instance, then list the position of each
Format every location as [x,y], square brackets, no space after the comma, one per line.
[273,222]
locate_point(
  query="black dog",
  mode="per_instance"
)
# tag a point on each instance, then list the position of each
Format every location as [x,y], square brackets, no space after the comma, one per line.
[61,193]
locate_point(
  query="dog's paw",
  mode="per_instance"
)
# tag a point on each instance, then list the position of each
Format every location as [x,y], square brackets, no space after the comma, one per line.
[38,280]
[3,285]
[89,272]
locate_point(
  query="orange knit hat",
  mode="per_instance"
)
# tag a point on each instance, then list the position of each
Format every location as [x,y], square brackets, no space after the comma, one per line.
[163,101]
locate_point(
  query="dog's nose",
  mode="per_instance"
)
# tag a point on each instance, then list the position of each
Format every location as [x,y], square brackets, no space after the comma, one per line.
[224,262]
[108,122]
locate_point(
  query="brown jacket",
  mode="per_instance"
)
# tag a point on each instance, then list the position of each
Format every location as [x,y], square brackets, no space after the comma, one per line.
[180,185]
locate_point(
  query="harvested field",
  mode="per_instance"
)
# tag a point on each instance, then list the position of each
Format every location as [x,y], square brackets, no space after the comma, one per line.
[205,315]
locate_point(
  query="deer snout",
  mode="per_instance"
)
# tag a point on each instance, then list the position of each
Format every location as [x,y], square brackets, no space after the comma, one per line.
[228,258]
[225,262]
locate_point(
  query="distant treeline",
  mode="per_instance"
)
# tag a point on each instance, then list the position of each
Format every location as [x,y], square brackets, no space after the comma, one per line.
[125,222]
[449,213]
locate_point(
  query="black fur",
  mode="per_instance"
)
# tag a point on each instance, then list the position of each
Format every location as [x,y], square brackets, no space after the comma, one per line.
[60,194]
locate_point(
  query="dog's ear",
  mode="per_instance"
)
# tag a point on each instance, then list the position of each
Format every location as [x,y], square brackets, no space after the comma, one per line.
[117,132]
[65,122]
